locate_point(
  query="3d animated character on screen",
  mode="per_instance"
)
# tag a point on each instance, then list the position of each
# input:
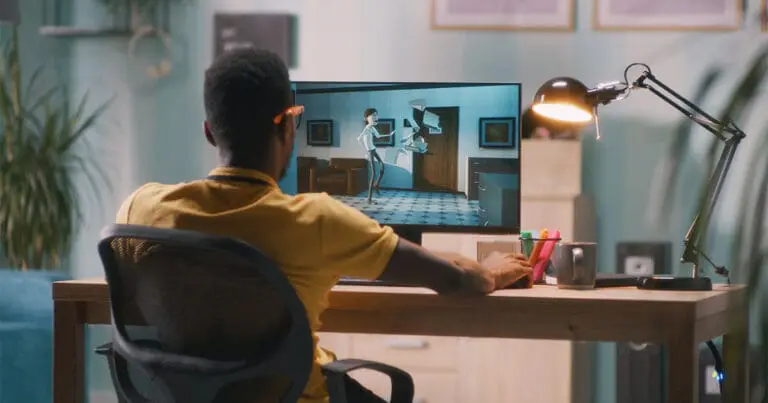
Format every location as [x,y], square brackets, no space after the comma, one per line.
[416,141]
[366,141]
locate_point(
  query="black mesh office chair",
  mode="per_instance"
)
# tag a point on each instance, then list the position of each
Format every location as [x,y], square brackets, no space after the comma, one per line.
[210,319]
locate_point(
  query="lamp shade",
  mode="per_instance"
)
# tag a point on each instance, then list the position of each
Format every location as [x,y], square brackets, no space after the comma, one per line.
[564,99]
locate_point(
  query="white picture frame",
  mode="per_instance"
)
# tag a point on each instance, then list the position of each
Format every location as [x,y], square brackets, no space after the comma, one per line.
[503,15]
[667,15]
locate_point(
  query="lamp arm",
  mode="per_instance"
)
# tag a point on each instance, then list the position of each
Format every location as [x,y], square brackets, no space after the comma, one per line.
[718,128]
[700,223]
[688,108]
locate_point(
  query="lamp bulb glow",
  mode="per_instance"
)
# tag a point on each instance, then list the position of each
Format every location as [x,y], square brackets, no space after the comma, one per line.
[562,112]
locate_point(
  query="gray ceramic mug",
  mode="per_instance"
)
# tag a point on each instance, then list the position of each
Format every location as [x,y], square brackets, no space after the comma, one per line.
[576,265]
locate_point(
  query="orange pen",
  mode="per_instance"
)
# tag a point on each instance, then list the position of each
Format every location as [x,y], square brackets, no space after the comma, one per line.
[539,245]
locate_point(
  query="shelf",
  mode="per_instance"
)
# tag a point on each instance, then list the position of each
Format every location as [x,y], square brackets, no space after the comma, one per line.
[78,32]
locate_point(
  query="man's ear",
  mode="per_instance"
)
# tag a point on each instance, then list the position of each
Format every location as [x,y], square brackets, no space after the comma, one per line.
[286,130]
[208,133]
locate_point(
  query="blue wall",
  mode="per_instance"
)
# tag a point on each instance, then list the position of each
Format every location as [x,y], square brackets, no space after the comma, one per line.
[153,130]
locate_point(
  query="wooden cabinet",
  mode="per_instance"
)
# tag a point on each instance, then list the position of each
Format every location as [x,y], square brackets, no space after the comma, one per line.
[498,199]
[492,165]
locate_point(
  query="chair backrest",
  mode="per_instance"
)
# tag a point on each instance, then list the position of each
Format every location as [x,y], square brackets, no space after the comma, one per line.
[205,296]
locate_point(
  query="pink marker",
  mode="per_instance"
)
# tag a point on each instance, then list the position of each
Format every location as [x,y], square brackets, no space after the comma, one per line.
[546,253]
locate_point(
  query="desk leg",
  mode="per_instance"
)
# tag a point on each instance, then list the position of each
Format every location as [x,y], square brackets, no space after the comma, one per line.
[683,368]
[68,352]
[736,360]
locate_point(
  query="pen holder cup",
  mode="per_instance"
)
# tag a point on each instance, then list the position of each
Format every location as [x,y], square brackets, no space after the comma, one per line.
[543,249]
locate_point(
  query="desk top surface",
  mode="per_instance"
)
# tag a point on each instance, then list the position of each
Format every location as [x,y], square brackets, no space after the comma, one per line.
[95,289]
[600,314]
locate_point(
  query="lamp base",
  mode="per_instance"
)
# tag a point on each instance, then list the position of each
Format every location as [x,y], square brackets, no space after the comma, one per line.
[676,283]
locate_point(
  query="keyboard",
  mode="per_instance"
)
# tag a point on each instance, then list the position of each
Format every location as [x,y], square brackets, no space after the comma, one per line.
[603,280]
[616,280]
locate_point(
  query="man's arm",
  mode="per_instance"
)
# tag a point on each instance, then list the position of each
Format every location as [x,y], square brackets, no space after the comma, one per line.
[355,245]
[378,135]
[451,273]
[412,264]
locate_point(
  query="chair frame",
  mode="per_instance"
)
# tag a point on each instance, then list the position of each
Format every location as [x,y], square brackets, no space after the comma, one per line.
[202,378]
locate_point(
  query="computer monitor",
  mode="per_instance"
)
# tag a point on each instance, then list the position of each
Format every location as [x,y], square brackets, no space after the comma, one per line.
[451,165]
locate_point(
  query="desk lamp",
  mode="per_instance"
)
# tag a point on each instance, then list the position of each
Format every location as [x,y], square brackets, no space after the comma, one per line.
[567,99]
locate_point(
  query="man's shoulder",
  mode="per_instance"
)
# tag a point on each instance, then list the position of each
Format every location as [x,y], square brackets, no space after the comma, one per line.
[320,201]
[144,195]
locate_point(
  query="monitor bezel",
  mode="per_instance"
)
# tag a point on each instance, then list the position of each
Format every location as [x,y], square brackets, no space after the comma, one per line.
[413,232]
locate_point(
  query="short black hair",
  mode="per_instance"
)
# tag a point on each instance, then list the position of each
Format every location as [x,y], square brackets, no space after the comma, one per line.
[244,90]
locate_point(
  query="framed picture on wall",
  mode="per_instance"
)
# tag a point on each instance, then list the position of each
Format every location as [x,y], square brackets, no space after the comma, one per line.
[668,15]
[764,16]
[320,133]
[498,132]
[504,15]
[385,126]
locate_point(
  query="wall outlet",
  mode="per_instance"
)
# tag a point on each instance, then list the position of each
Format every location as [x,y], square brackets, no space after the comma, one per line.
[644,258]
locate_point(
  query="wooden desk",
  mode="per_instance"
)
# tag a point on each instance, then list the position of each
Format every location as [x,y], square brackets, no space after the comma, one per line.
[683,320]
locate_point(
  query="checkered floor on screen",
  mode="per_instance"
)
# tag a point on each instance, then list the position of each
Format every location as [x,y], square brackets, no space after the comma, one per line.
[414,207]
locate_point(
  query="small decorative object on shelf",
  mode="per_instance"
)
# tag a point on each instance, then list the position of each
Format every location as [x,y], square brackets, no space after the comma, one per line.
[121,17]
[137,19]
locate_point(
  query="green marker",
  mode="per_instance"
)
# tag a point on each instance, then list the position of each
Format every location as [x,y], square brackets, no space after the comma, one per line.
[527,241]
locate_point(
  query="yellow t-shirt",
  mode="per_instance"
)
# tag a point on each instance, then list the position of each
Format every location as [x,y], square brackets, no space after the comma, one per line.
[314,238]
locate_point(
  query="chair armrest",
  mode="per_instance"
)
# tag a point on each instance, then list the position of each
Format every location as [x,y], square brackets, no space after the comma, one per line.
[336,371]
[148,353]
[118,370]
[104,349]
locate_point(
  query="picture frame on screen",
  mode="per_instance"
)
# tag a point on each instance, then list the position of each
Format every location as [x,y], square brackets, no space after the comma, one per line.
[320,133]
[498,133]
[385,126]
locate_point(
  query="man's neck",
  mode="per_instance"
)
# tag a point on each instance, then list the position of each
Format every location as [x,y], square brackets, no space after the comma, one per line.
[248,164]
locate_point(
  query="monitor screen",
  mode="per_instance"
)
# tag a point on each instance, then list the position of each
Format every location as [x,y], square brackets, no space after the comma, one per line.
[432,157]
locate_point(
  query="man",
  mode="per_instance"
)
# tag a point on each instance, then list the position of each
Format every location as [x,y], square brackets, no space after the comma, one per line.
[365,139]
[312,237]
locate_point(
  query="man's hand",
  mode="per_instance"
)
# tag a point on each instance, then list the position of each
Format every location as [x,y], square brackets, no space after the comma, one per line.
[506,268]
[477,279]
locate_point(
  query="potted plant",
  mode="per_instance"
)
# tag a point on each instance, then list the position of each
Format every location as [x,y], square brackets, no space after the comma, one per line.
[41,152]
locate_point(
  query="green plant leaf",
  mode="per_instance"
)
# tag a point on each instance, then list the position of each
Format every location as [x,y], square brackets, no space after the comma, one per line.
[39,155]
